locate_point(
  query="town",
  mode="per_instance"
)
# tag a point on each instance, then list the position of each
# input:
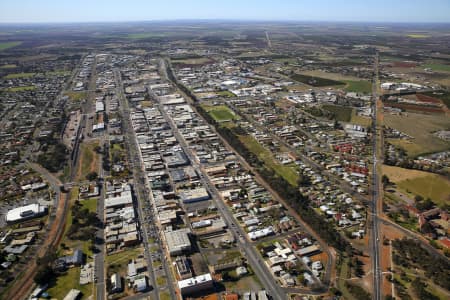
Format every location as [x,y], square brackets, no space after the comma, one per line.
[224,162]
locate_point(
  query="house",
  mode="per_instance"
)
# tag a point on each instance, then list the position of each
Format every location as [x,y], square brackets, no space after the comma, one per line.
[116,283]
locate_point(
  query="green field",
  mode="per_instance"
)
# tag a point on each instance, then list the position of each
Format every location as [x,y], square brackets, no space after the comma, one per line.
[438,67]
[421,128]
[361,86]
[220,113]
[76,96]
[90,204]
[19,89]
[442,95]
[19,75]
[341,113]
[10,66]
[285,171]
[7,45]
[315,81]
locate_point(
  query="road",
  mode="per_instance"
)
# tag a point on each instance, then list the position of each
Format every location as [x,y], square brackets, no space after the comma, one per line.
[244,244]
[375,241]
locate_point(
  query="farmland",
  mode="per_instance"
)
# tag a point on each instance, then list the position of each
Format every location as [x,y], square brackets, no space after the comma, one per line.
[360,86]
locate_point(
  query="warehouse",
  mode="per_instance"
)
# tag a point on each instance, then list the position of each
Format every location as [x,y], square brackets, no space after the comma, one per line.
[25,212]
[178,241]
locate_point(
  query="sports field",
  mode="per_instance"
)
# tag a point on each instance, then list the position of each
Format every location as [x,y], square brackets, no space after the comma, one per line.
[220,113]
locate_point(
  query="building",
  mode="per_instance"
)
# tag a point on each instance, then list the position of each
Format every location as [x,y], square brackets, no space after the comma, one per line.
[177,241]
[116,283]
[183,268]
[196,284]
[72,295]
[26,212]
[140,284]
[194,195]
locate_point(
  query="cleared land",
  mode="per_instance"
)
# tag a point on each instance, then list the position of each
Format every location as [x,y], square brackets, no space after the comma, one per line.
[88,160]
[220,113]
[360,120]
[421,128]
[7,45]
[414,182]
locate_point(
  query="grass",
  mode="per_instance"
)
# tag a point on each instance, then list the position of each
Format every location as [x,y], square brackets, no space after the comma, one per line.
[221,113]
[68,281]
[360,120]
[9,66]
[7,45]
[287,172]
[421,128]
[19,75]
[88,160]
[123,257]
[418,36]
[442,95]
[161,280]
[360,86]
[90,204]
[315,81]
[164,296]
[226,94]
[229,256]
[342,113]
[438,67]
[76,96]
[428,185]
[19,89]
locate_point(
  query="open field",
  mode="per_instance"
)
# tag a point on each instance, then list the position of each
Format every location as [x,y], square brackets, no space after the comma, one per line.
[19,89]
[341,113]
[414,182]
[360,86]
[421,128]
[441,95]
[76,96]
[220,113]
[315,81]
[7,45]
[70,280]
[265,155]
[19,75]
[437,67]
[9,66]
[90,204]
[88,160]
[418,36]
[360,120]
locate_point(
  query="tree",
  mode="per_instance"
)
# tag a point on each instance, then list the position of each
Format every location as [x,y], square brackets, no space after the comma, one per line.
[43,275]
[92,176]
[385,180]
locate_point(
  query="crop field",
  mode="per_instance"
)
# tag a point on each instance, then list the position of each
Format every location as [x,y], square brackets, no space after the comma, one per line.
[220,113]
[361,86]
[421,128]
[437,67]
[414,182]
[7,45]
[315,81]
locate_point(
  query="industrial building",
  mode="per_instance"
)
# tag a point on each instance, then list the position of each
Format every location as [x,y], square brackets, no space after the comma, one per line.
[194,195]
[25,213]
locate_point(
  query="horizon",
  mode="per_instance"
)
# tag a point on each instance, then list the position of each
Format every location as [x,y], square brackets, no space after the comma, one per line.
[113,11]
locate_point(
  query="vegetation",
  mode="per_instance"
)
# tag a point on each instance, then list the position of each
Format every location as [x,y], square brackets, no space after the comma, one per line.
[339,113]
[84,223]
[410,254]
[442,95]
[357,291]
[54,158]
[7,45]
[315,81]
[19,89]
[438,67]
[221,113]
[19,75]
[358,86]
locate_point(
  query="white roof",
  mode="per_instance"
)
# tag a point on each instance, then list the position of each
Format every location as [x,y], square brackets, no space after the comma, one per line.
[16,213]
[194,281]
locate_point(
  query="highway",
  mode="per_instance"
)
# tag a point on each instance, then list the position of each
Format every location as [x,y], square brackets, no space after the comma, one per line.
[375,240]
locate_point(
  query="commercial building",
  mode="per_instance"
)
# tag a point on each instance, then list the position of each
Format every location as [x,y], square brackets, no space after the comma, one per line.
[25,212]
[194,195]
[177,241]
[196,284]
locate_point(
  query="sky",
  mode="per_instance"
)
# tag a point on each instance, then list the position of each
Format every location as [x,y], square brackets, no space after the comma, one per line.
[43,11]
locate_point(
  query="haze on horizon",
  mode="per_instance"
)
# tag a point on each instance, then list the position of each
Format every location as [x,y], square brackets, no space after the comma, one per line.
[50,11]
